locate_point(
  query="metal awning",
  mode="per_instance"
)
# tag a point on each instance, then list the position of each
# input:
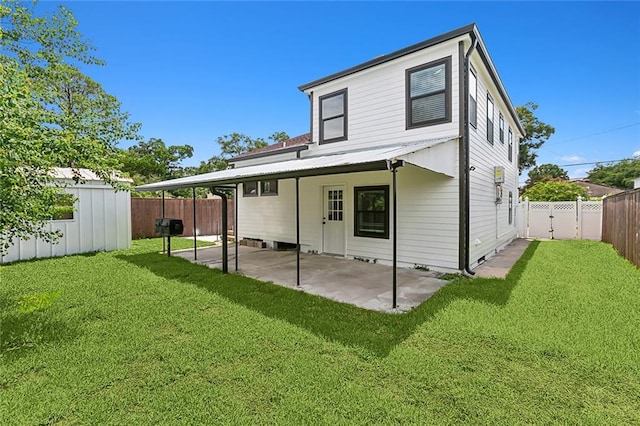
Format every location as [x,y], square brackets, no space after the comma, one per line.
[432,154]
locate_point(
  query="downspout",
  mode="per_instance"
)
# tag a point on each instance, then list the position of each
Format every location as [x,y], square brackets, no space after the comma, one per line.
[464,164]
[310,120]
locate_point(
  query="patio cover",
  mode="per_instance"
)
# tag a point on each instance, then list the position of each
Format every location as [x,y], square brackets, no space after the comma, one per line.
[433,154]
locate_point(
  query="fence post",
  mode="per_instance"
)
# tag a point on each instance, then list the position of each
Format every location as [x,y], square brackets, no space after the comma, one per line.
[525,217]
[579,220]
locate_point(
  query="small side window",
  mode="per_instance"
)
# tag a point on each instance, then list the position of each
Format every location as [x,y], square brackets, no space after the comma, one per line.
[269,187]
[250,189]
[473,99]
[501,128]
[510,146]
[510,207]
[490,119]
[63,209]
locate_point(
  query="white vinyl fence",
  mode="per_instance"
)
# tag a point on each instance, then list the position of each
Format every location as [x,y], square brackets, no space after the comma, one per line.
[560,220]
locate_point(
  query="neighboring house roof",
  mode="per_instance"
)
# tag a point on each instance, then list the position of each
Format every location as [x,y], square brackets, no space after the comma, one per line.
[372,159]
[294,144]
[596,190]
[471,30]
[83,174]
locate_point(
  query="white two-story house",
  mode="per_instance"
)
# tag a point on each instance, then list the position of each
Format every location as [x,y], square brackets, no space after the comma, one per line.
[411,158]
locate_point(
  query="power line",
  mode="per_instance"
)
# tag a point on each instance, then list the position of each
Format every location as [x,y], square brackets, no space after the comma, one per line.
[594,134]
[596,162]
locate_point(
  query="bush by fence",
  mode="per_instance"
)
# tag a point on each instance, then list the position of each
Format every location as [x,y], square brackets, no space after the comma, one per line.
[144,211]
[621,224]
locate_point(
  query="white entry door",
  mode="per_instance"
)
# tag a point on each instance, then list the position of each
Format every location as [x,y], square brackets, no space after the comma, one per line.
[333,220]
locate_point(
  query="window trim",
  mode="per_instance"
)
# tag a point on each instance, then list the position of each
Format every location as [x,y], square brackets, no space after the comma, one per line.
[272,193]
[248,194]
[490,121]
[510,144]
[501,128]
[447,94]
[473,118]
[321,121]
[356,233]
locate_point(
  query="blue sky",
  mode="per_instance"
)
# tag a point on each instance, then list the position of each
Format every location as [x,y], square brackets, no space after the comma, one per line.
[193,71]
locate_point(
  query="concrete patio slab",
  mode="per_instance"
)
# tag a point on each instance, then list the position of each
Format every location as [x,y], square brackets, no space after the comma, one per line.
[366,285]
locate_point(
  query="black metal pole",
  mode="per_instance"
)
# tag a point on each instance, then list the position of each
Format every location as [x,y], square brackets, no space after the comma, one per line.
[225,225]
[195,229]
[394,170]
[168,245]
[163,247]
[297,232]
[235,226]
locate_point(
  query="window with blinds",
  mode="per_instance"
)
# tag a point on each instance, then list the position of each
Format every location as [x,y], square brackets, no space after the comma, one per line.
[429,94]
[510,147]
[473,98]
[490,113]
[333,117]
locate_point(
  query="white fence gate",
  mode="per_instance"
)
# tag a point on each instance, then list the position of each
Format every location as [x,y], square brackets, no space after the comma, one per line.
[560,220]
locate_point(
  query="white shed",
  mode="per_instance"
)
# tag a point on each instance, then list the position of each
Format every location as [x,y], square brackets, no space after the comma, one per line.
[101,221]
[636,183]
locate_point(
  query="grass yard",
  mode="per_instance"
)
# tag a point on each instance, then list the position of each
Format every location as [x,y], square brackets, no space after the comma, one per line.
[132,337]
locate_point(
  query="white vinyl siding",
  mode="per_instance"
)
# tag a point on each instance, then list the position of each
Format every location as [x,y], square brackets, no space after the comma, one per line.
[427,206]
[274,158]
[489,222]
[377,103]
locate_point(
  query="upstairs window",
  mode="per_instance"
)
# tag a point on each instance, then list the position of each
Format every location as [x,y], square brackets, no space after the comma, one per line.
[428,94]
[269,187]
[371,211]
[489,119]
[501,128]
[473,98]
[510,146]
[333,117]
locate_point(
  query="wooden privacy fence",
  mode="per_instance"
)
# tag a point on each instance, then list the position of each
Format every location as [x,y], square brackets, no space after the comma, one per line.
[560,220]
[144,211]
[621,224]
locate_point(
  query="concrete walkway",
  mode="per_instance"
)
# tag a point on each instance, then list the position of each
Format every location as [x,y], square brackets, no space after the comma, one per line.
[501,263]
[366,285]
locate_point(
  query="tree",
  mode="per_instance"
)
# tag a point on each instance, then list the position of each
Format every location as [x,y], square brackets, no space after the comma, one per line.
[153,161]
[233,145]
[546,172]
[555,191]
[618,175]
[51,115]
[537,134]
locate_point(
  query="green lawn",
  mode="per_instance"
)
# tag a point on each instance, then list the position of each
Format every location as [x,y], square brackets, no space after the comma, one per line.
[134,337]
